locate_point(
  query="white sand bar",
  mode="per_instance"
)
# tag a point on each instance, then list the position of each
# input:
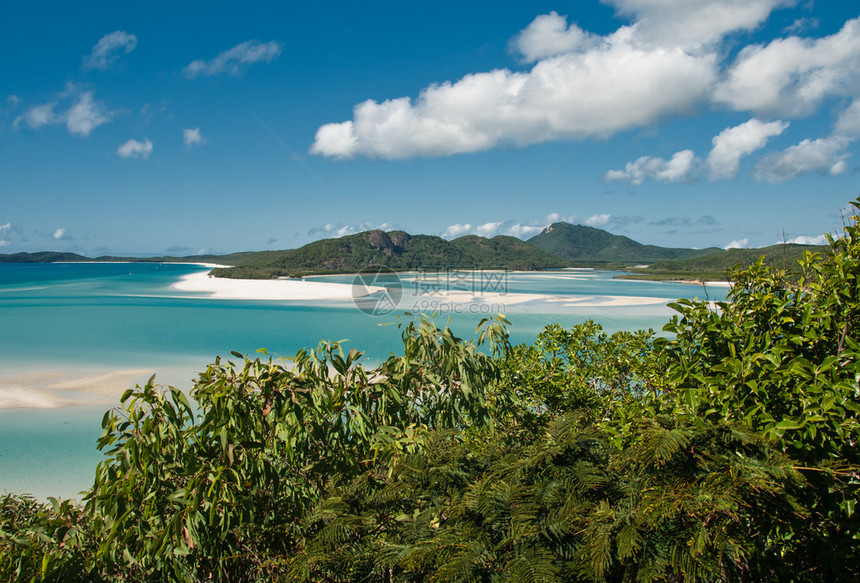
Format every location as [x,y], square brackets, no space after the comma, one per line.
[264,289]
[301,290]
[725,284]
[609,301]
[50,389]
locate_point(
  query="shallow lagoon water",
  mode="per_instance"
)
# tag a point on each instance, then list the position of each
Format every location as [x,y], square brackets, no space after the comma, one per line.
[63,320]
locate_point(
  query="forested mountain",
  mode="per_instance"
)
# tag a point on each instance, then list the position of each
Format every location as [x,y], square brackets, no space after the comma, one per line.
[581,243]
[396,250]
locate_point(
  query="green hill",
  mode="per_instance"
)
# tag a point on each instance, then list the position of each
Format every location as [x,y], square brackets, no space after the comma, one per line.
[505,251]
[579,243]
[395,249]
[42,257]
[715,266]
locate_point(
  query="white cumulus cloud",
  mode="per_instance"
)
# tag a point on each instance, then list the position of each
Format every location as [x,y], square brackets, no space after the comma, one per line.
[822,156]
[677,169]
[792,76]
[60,234]
[37,116]
[808,240]
[693,23]
[456,230]
[333,229]
[611,87]
[549,35]
[342,230]
[233,60]
[107,50]
[192,137]
[560,218]
[729,146]
[667,61]
[487,229]
[528,229]
[848,123]
[738,244]
[521,231]
[135,149]
[598,220]
[461,229]
[85,115]
[734,143]
[82,116]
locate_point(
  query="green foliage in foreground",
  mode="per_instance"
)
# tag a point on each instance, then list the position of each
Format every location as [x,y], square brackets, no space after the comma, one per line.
[726,451]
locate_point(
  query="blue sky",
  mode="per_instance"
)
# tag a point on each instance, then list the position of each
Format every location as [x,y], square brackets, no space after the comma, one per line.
[212,127]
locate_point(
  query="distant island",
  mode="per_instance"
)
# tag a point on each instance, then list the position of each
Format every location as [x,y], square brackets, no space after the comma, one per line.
[557,246]
[577,243]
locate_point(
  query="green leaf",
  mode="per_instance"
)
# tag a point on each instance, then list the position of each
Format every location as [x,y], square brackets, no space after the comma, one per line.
[788,424]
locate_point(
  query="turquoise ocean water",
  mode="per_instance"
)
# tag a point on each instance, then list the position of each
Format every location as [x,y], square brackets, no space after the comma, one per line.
[97,318]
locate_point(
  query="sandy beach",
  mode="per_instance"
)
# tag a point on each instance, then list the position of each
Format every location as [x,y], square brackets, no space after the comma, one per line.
[51,389]
[57,388]
[608,301]
[263,289]
[725,284]
[302,290]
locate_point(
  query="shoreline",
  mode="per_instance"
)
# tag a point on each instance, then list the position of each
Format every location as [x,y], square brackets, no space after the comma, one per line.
[701,282]
[48,387]
[52,389]
[209,265]
[225,288]
[302,290]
